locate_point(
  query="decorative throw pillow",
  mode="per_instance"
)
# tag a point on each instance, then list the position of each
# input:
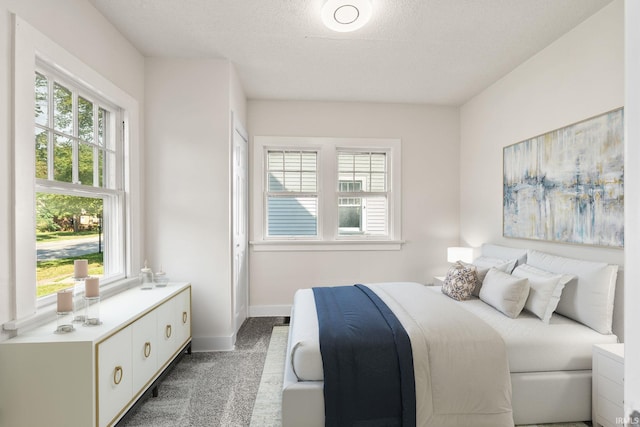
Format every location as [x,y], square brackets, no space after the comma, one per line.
[505,292]
[460,281]
[545,290]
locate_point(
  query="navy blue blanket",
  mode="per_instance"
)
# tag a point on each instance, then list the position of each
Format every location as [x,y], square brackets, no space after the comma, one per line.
[367,360]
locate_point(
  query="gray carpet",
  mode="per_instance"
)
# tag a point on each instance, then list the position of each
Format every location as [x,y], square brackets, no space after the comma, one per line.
[210,389]
[237,388]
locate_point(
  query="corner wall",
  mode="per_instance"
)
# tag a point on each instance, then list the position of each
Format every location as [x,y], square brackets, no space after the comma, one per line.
[430,173]
[578,76]
[188,185]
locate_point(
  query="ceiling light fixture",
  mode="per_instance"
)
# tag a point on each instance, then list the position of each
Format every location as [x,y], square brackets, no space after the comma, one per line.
[346,15]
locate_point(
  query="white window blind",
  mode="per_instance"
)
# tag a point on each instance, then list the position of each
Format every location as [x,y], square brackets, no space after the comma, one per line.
[292,193]
[327,193]
[362,193]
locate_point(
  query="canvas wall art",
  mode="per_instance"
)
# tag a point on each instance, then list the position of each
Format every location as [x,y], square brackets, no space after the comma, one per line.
[567,185]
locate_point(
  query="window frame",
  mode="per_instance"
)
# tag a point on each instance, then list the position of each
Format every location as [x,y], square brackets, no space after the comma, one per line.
[290,194]
[364,194]
[112,191]
[328,237]
[31,46]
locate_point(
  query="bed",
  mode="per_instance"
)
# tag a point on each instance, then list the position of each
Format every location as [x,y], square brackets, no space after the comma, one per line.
[547,362]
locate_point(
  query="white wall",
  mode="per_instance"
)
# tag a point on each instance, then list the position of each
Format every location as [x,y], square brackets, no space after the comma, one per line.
[79,28]
[632,205]
[188,185]
[578,76]
[429,197]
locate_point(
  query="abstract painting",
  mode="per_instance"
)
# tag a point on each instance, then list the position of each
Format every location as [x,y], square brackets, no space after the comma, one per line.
[567,185]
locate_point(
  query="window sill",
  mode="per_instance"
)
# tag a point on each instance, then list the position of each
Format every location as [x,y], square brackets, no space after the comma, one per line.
[47,313]
[323,245]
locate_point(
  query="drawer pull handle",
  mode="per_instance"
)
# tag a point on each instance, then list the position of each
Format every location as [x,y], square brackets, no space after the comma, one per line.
[117,375]
[147,349]
[184,317]
[167,331]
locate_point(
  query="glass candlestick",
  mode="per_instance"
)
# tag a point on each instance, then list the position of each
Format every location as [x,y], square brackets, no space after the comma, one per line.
[146,277]
[79,315]
[161,279]
[92,311]
[64,323]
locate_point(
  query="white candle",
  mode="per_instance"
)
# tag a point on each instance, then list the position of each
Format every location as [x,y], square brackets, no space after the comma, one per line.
[80,268]
[92,287]
[65,301]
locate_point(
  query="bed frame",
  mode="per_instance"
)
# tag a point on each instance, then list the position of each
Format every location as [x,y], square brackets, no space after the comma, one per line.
[537,397]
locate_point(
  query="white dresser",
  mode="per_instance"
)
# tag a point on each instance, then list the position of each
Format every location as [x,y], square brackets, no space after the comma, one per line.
[92,376]
[608,385]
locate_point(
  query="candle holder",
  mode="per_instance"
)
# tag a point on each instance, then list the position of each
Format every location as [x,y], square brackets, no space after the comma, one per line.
[146,277]
[161,279]
[64,323]
[79,311]
[92,311]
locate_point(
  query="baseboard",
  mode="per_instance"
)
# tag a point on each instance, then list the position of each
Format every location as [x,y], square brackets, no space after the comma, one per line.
[227,343]
[201,344]
[269,310]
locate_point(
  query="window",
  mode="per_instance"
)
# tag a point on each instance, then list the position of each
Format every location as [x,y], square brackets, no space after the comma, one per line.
[292,193]
[75,134]
[362,193]
[78,187]
[326,191]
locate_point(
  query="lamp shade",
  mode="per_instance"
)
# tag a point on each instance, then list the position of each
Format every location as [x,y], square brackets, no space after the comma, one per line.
[458,253]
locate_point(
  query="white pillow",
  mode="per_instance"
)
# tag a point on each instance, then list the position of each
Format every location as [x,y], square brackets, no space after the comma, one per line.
[504,292]
[545,289]
[484,263]
[589,299]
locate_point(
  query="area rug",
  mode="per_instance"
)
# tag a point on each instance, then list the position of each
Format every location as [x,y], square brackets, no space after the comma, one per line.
[267,408]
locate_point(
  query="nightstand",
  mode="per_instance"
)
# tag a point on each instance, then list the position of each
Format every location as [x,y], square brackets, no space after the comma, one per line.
[608,385]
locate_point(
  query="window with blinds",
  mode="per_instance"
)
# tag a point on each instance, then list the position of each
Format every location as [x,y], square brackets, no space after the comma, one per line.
[362,193]
[325,193]
[292,193]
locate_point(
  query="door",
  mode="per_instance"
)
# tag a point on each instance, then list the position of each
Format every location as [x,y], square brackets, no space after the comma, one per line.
[240,224]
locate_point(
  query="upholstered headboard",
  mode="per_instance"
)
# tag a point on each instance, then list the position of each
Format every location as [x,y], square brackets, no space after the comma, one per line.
[504,252]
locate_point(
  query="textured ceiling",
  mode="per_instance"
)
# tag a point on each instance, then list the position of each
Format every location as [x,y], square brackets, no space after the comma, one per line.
[416,51]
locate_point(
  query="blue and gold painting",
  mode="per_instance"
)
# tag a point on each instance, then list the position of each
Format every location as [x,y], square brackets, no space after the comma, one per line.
[568,185]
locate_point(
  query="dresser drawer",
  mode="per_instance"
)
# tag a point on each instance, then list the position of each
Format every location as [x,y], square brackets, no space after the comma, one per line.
[183,311]
[144,350]
[610,390]
[608,412]
[610,369]
[115,376]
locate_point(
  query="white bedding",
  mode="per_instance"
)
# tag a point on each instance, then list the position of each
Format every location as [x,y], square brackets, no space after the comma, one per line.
[532,346]
[447,342]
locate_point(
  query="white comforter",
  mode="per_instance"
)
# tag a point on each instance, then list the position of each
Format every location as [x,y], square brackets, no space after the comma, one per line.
[460,363]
